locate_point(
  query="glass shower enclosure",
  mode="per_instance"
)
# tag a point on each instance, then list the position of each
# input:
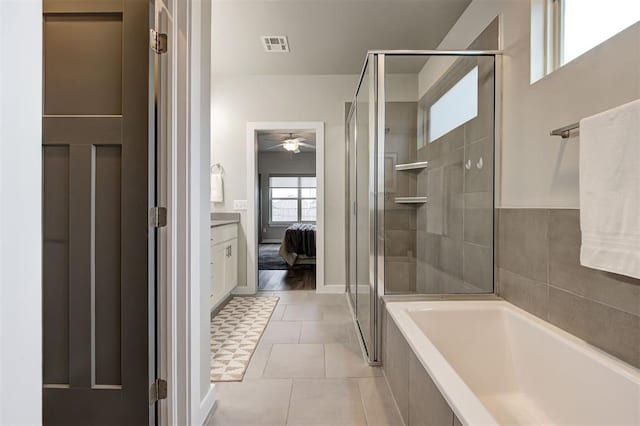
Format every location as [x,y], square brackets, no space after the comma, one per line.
[420,141]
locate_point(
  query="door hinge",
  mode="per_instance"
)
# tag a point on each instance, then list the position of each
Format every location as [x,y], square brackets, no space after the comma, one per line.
[157,391]
[158,217]
[158,41]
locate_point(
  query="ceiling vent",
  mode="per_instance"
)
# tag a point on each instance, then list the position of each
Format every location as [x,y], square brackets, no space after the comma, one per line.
[275,44]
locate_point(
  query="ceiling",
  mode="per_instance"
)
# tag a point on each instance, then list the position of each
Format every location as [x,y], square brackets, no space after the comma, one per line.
[325,36]
[269,139]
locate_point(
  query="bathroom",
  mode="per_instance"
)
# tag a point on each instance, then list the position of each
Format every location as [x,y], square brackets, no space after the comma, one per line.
[320,212]
[454,198]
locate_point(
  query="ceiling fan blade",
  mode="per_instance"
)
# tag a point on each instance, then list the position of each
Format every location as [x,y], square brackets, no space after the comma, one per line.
[299,139]
[275,146]
[307,145]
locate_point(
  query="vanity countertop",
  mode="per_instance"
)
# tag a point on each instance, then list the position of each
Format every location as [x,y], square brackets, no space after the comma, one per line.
[222,222]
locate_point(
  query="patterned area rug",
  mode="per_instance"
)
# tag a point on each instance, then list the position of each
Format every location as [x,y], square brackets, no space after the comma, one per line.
[235,333]
[269,258]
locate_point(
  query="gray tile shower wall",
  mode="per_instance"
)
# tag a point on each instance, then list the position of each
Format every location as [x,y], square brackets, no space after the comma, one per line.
[400,220]
[459,212]
[455,232]
[539,270]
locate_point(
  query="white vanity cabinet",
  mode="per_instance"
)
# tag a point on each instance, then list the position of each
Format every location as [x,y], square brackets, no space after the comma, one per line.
[224,262]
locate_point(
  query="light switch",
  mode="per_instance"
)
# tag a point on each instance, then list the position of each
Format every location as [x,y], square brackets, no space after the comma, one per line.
[240,204]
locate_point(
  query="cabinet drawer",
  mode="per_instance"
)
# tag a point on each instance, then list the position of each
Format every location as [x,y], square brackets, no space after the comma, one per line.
[223,233]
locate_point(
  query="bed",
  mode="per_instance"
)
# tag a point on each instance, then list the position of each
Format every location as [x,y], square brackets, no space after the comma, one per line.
[299,244]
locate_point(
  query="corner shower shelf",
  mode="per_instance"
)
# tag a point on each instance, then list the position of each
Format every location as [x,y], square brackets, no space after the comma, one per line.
[410,200]
[412,167]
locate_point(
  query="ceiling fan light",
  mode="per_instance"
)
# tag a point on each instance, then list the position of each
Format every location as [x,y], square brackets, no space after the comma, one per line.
[290,145]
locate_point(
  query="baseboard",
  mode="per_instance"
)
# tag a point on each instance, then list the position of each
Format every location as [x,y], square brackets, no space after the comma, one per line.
[243,291]
[220,305]
[330,289]
[207,404]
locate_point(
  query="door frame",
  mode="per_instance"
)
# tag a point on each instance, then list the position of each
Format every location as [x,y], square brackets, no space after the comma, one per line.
[182,264]
[252,200]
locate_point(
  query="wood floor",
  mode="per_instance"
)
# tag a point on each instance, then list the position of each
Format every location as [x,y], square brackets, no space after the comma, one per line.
[295,279]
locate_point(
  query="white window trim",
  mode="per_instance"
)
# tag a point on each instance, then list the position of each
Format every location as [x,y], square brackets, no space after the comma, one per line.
[546,37]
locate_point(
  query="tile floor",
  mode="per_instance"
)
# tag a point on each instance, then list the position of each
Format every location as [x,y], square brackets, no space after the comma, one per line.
[307,370]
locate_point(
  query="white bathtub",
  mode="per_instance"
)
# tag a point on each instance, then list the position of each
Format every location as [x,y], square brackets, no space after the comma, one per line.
[496,364]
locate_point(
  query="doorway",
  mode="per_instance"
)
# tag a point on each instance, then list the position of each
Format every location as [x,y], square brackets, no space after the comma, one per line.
[287,210]
[286,177]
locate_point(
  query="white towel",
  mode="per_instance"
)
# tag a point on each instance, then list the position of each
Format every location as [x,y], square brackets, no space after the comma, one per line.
[217,188]
[610,190]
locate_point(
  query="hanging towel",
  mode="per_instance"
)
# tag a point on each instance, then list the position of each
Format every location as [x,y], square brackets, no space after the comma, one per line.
[217,187]
[610,190]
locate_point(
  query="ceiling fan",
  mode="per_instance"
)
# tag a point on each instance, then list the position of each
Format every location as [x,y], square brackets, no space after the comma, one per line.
[292,144]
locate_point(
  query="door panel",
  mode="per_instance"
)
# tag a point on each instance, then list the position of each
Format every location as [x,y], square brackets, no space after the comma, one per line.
[351,207]
[231,267]
[219,253]
[80,78]
[95,212]
[363,243]
[56,264]
[107,290]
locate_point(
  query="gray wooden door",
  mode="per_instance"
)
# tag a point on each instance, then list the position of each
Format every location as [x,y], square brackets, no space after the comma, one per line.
[96,187]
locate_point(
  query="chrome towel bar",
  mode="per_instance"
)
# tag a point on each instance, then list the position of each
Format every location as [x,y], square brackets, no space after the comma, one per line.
[565,131]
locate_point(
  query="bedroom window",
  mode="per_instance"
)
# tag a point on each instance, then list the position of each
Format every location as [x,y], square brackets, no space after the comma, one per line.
[292,199]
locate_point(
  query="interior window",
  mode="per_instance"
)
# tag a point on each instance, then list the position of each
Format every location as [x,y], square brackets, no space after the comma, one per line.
[456,107]
[292,199]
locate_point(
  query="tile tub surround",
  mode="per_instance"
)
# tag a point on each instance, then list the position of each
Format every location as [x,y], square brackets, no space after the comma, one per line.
[417,397]
[307,369]
[497,364]
[539,270]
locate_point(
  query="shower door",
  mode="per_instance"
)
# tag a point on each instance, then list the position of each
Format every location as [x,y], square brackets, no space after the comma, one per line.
[361,194]
[421,180]
[363,217]
[351,205]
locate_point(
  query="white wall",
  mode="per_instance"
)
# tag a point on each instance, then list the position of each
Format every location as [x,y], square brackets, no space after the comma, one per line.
[20,215]
[241,99]
[538,170]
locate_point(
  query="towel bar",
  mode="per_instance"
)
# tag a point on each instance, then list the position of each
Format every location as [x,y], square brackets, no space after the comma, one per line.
[565,131]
